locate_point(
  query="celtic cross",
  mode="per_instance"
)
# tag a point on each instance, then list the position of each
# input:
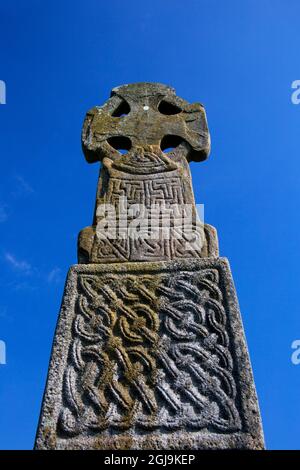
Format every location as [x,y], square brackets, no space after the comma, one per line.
[144,136]
[149,350]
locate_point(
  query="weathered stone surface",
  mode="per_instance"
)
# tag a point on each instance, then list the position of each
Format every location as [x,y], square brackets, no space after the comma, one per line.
[145,119]
[149,351]
[150,357]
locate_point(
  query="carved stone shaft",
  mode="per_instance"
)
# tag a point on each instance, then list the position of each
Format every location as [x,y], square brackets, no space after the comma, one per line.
[149,351]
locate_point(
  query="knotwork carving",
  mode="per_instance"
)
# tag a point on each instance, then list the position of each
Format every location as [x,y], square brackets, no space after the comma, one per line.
[149,352]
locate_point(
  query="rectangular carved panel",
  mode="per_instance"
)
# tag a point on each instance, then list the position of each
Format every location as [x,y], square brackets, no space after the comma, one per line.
[150,356]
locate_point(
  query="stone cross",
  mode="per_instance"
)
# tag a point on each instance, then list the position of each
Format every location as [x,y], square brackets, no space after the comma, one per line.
[144,120]
[149,350]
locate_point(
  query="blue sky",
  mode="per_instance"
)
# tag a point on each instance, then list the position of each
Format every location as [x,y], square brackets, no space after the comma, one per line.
[239,59]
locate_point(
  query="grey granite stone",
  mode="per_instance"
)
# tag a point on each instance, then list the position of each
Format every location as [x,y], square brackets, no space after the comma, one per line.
[149,351]
[161,133]
[150,356]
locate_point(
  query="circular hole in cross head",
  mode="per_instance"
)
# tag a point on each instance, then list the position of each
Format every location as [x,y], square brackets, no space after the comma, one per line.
[167,108]
[120,143]
[170,142]
[121,110]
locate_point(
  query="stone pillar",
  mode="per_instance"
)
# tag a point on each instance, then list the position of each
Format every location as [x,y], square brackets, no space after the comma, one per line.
[149,350]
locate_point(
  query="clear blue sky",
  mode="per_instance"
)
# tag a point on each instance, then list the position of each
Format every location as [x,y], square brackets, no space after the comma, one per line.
[239,58]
